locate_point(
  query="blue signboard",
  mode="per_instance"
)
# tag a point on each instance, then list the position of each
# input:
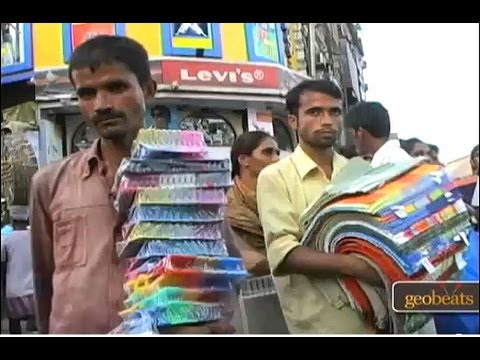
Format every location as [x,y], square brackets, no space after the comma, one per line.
[188,39]
[265,42]
[17,53]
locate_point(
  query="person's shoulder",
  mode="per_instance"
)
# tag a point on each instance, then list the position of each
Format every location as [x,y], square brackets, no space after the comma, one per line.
[340,159]
[277,168]
[401,155]
[51,172]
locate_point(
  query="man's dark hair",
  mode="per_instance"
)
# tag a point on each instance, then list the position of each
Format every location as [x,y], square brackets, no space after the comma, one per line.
[348,151]
[474,152]
[434,148]
[109,50]
[326,87]
[371,117]
[409,144]
[245,144]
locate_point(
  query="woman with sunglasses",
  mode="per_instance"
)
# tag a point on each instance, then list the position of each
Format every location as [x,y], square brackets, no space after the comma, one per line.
[250,154]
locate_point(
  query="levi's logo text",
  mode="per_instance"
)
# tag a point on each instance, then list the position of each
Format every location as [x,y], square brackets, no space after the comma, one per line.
[205,73]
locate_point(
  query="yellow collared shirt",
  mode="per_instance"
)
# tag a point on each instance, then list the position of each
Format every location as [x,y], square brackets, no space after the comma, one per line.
[284,191]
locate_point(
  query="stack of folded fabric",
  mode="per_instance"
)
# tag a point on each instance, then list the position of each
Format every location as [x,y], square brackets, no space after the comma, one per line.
[406,220]
[466,186]
[171,194]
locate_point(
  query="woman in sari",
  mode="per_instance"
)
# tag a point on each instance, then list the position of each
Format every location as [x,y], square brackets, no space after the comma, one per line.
[261,311]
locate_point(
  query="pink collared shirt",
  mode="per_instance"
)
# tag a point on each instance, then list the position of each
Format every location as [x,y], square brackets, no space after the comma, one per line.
[72,226]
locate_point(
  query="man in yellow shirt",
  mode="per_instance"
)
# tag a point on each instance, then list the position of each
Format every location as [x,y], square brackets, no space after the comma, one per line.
[311,298]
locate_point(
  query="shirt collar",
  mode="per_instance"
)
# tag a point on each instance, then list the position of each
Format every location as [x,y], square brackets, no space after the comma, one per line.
[305,164]
[91,159]
[391,143]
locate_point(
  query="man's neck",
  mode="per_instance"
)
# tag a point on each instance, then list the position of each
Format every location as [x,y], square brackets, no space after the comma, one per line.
[113,152]
[249,181]
[321,157]
[375,145]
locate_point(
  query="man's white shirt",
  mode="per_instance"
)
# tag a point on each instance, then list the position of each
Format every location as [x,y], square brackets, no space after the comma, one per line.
[390,153]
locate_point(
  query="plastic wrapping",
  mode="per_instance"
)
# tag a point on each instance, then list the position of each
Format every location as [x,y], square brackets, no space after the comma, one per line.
[166,295]
[168,196]
[146,249]
[177,214]
[463,323]
[180,196]
[204,264]
[172,166]
[171,196]
[175,313]
[169,271]
[201,263]
[161,248]
[149,230]
[187,278]
[169,185]
[151,142]
[186,179]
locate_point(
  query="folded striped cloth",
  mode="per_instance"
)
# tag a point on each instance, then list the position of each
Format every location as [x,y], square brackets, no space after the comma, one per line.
[407,220]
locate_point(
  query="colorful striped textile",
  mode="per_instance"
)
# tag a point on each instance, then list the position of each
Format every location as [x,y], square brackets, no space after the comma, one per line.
[407,220]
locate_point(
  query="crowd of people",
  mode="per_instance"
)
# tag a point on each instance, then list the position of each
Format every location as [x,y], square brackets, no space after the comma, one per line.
[77,275]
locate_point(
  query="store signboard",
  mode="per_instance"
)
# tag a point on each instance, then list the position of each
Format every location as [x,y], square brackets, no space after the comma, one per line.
[210,73]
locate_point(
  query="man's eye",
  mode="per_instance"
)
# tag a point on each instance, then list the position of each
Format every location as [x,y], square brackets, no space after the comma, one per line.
[335,112]
[117,88]
[86,94]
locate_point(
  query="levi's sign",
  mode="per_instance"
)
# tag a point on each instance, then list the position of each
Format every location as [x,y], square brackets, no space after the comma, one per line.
[219,74]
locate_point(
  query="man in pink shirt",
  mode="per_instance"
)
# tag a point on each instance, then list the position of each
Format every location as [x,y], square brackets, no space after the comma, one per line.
[78,276]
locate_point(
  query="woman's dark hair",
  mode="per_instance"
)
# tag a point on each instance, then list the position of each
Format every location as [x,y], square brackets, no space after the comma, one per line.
[474,152]
[245,145]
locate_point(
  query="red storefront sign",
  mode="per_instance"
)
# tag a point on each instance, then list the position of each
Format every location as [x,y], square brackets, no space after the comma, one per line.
[206,73]
[85,31]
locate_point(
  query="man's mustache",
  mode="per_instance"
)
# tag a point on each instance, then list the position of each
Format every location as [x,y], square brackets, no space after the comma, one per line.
[103,116]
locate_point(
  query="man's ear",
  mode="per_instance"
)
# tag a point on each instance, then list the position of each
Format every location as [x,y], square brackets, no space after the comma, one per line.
[293,121]
[150,90]
[361,133]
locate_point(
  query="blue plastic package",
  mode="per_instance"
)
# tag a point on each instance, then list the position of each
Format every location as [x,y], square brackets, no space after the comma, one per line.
[463,323]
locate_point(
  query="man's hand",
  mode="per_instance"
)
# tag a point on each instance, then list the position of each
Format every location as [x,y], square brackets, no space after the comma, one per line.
[221,327]
[216,327]
[358,268]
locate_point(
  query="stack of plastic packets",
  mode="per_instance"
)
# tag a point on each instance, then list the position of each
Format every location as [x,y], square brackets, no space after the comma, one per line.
[172,194]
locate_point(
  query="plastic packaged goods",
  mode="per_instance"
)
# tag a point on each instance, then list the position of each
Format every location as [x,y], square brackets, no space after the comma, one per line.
[176,214]
[150,142]
[172,195]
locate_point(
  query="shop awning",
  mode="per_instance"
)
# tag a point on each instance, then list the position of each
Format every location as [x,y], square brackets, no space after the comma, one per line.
[17,93]
[227,100]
